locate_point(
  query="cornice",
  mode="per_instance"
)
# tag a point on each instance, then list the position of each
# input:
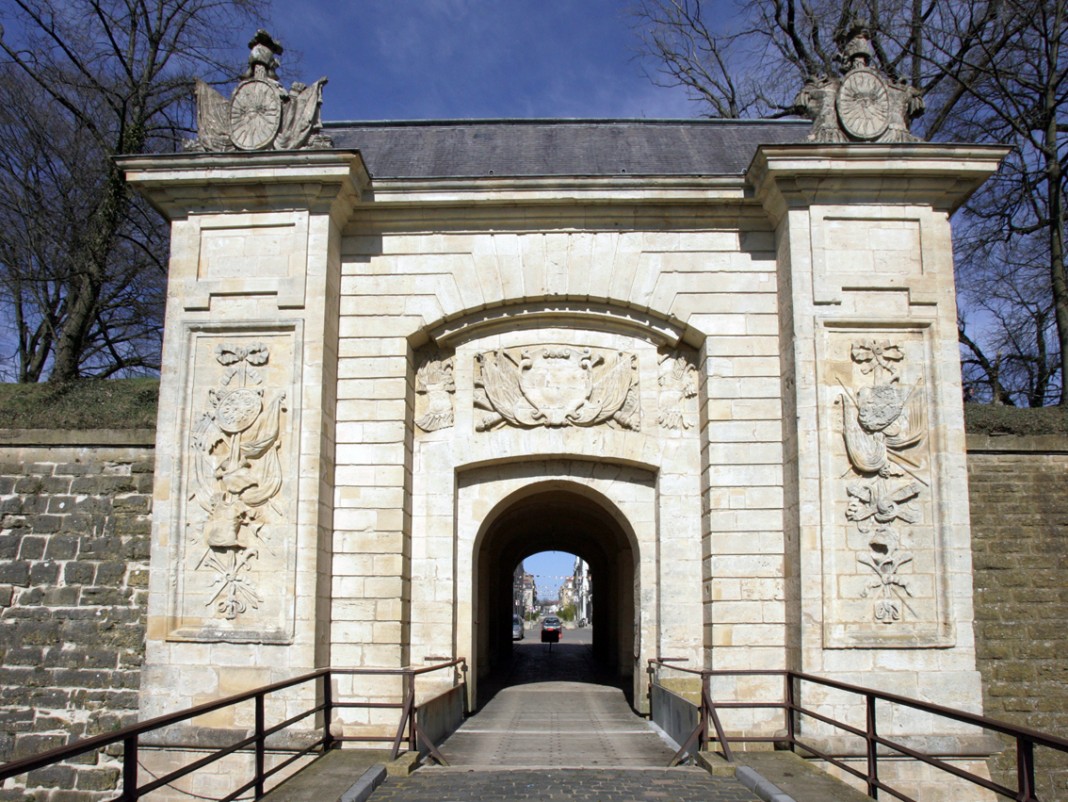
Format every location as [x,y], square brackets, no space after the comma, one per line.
[179,184]
[930,174]
[541,190]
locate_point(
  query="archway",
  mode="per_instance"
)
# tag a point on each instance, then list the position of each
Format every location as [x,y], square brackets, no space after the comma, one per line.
[562,520]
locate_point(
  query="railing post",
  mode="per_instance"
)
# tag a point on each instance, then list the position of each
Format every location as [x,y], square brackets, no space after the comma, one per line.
[649,688]
[706,711]
[261,743]
[129,769]
[792,687]
[463,679]
[708,705]
[413,744]
[328,710]
[1025,770]
[873,752]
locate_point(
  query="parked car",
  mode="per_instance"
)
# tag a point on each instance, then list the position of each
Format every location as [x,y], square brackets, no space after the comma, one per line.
[517,628]
[551,629]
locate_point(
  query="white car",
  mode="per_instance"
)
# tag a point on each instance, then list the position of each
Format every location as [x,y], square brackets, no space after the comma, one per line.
[517,628]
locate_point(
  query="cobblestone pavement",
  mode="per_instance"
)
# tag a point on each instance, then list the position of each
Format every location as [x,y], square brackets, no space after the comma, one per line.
[583,785]
[557,725]
[555,710]
[558,728]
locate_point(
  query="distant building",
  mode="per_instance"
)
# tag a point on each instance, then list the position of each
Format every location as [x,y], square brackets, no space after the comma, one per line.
[517,590]
[524,591]
[582,591]
[567,595]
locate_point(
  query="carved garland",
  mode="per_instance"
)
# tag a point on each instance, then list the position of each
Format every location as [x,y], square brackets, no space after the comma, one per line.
[557,386]
[883,425]
[237,474]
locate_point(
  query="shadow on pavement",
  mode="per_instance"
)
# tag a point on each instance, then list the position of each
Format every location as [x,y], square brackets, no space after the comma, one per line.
[570,660]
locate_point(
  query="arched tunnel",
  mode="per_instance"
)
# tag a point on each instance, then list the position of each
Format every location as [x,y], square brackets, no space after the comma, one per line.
[559,520]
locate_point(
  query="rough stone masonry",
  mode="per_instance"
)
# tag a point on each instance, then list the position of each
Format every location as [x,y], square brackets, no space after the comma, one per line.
[75,523]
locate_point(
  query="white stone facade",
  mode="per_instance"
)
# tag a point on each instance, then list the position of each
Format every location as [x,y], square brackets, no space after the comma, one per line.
[655,373]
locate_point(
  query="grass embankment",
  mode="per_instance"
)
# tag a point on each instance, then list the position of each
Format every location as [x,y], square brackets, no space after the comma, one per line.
[80,405]
[984,419]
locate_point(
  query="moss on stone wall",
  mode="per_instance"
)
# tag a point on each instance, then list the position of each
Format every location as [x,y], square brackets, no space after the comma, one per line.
[987,419]
[88,404]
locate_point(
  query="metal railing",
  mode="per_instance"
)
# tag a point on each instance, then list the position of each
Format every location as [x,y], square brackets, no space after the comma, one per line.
[256,742]
[795,712]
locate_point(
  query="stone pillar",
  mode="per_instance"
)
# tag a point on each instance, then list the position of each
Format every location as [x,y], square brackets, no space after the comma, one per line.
[877,514]
[243,507]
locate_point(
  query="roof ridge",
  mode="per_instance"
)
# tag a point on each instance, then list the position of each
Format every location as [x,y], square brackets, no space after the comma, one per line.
[529,121]
[531,147]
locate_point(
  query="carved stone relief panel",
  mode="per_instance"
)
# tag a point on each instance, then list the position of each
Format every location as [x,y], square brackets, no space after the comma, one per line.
[434,391]
[678,387]
[236,559]
[882,549]
[557,385]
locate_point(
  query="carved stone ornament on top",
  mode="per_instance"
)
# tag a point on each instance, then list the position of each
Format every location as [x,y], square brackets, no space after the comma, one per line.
[883,426]
[556,386]
[260,114]
[861,104]
[237,475]
[434,387]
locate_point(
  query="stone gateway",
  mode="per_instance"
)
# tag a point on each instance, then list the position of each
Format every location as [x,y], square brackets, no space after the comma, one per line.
[715,360]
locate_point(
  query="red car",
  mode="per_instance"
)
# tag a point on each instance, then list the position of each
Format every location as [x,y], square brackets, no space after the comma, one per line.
[551,629]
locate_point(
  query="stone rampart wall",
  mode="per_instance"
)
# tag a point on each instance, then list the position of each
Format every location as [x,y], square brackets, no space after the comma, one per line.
[74,538]
[75,524]
[1019,508]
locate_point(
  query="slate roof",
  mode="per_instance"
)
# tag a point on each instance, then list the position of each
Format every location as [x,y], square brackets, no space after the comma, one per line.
[526,148]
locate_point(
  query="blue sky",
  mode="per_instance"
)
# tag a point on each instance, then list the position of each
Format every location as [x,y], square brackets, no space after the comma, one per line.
[548,568]
[445,59]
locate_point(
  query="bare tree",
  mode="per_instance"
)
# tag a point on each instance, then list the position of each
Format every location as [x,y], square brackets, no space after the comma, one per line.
[1009,301]
[81,81]
[1007,318]
[988,70]
[1016,92]
[51,175]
